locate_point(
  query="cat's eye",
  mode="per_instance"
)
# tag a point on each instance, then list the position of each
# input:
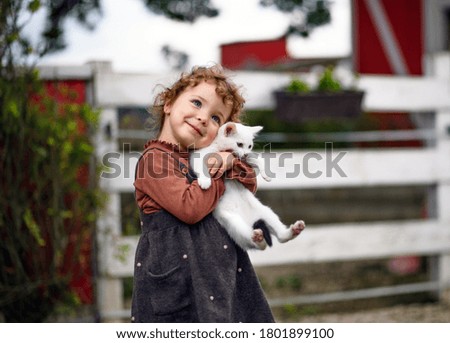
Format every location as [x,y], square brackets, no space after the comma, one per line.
[240,145]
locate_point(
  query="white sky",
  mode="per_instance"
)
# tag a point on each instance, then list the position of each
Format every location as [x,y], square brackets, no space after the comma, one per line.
[131,37]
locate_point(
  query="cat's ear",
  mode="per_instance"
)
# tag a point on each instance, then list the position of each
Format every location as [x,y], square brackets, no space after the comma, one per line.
[256,129]
[230,128]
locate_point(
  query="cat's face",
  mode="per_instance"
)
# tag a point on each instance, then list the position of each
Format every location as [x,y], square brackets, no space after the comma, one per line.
[238,137]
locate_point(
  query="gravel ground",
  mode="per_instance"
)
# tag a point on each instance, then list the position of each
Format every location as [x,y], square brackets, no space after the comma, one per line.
[418,313]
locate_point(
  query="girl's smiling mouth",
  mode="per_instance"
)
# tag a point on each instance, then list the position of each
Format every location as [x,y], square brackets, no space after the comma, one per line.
[196,129]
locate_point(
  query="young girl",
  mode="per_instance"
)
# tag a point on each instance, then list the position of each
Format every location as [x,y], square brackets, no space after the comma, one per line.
[187,268]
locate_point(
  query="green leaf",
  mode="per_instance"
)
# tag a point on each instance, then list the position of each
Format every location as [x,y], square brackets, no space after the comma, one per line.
[13,109]
[34,5]
[66,214]
[67,147]
[86,148]
[12,38]
[32,226]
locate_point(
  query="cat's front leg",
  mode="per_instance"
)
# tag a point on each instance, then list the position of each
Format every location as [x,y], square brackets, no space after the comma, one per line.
[199,166]
[204,182]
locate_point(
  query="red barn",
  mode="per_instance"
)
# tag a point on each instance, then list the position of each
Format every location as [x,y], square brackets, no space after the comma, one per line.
[392,37]
[254,55]
[388,36]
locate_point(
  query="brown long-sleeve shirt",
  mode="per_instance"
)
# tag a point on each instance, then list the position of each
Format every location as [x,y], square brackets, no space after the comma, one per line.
[162,184]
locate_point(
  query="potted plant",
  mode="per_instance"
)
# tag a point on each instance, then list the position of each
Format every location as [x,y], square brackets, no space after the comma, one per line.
[299,102]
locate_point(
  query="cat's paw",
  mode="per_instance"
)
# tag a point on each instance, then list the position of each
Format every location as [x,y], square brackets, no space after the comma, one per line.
[258,239]
[252,160]
[297,228]
[204,182]
[293,231]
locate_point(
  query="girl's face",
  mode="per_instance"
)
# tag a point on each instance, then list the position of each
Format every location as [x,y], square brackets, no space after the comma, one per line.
[193,119]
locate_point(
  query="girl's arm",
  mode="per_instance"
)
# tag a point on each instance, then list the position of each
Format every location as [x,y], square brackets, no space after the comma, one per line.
[160,178]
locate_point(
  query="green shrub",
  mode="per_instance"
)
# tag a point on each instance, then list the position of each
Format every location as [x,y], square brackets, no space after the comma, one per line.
[328,83]
[298,86]
[49,196]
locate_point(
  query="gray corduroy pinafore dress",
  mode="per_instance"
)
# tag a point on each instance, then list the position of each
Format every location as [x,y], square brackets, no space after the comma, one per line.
[193,273]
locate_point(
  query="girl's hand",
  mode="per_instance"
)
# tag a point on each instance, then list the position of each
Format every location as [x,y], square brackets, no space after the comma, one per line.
[219,163]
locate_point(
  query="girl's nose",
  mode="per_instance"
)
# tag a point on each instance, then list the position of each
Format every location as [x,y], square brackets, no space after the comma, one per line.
[202,117]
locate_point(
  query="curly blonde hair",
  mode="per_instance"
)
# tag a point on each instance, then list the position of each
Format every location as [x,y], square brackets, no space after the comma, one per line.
[225,88]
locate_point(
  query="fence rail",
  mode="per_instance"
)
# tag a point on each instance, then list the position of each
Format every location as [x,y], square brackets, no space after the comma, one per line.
[353,136]
[327,167]
[324,243]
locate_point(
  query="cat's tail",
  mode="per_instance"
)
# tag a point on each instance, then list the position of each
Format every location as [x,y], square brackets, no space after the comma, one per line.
[261,224]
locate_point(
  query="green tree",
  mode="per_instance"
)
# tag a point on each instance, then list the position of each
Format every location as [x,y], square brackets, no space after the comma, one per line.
[48,205]
[306,14]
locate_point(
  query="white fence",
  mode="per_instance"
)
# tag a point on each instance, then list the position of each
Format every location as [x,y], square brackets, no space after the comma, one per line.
[363,167]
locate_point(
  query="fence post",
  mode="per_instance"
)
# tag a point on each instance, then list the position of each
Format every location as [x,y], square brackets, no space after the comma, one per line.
[442,70]
[109,289]
[443,196]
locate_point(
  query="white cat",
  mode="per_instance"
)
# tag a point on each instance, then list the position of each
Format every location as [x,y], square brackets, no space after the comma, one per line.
[244,217]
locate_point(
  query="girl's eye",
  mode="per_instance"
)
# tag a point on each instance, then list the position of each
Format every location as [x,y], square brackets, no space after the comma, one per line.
[240,145]
[216,119]
[197,103]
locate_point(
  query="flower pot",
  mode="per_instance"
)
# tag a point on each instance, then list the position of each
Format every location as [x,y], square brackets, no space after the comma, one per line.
[295,108]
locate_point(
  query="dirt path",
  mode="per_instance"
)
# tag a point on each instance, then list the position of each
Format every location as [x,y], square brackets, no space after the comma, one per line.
[420,313]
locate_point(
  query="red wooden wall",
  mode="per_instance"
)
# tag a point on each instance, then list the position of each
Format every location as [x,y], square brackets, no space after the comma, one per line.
[376,43]
[242,55]
[404,21]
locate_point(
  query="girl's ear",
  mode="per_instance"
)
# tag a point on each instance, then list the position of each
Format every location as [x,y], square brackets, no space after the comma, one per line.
[167,108]
[230,128]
